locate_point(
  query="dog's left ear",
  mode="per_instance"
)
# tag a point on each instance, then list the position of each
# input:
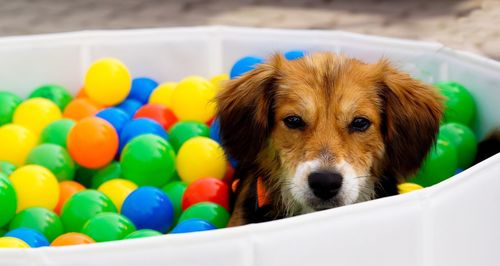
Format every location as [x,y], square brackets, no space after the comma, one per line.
[412,114]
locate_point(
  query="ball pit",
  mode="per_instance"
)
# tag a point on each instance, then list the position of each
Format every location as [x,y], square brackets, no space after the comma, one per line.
[39,219]
[31,237]
[70,239]
[55,93]
[142,89]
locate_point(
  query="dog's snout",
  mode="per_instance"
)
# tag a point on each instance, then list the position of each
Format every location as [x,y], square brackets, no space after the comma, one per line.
[325,184]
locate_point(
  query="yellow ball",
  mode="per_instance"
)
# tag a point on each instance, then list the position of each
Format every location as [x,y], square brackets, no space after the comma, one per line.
[16,142]
[107,81]
[35,186]
[200,157]
[12,242]
[36,113]
[117,190]
[218,81]
[163,94]
[193,99]
[408,187]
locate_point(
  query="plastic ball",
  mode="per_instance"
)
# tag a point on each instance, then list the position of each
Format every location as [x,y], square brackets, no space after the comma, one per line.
[294,54]
[206,189]
[6,168]
[35,114]
[93,142]
[440,164]
[117,190]
[11,242]
[142,89]
[110,172]
[244,65]
[130,106]
[192,99]
[460,105]
[55,93]
[200,157]
[192,225]
[148,160]
[80,108]
[184,130]
[115,116]
[57,132]
[163,94]
[208,211]
[85,176]
[70,239]
[8,104]
[35,186]
[175,192]
[408,187]
[138,127]
[39,219]
[32,237]
[16,142]
[82,206]
[463,139]
[67,189]
[55,158]
[143,233]
[215,130]
[149,208]
[218,80]
[8,200]
[159,113]
[108,227]
[107,81]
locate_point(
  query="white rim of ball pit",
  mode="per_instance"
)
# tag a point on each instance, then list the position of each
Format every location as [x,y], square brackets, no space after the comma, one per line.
[454,223]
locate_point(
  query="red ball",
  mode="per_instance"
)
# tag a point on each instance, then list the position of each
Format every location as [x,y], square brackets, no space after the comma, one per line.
[160,113]
[206,189]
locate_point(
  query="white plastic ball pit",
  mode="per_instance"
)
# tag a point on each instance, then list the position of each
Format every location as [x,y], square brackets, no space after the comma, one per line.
[453,223]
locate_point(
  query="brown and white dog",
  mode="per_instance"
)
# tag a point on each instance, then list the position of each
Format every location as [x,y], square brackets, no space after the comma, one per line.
[323,131]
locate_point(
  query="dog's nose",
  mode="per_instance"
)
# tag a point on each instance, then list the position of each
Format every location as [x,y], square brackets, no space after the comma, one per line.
[325,184]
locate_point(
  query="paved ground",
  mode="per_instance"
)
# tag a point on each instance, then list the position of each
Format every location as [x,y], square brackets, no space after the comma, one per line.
[465,24]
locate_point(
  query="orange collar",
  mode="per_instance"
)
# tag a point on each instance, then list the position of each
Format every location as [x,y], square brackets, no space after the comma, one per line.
[262,198]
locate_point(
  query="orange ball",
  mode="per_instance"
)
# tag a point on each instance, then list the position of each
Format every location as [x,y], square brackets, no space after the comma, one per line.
[70,239]
[80,108]
[92,142]
[81,94]
[67,189]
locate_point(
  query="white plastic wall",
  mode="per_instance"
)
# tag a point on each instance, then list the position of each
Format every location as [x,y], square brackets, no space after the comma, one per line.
[456,222]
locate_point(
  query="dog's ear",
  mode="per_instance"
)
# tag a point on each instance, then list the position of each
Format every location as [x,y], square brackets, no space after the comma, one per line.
[412,114]
[244,108]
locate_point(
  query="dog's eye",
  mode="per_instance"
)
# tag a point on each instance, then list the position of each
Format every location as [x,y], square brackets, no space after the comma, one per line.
[359,124]
[294,122]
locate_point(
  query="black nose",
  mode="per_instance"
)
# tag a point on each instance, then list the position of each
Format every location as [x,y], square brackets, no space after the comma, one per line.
[325,184]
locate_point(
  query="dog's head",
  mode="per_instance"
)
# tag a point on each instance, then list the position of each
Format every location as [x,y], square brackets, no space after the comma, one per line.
[325,130]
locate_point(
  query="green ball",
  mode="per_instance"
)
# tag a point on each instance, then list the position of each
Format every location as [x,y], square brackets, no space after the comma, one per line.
[57,94]
[112,171]
[3,231]
[6,168]
[208,211]
[84,175]
[8,200]
[175,191]
[82,206]
[40,219]
[57,132]
[184,130]
[8,104]
[55,158]
[148,160]
[463,139]
[143,233]
[440,164]
[108,226]
[460,105]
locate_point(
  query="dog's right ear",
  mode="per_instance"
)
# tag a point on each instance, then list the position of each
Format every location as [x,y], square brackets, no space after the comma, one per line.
[244,108]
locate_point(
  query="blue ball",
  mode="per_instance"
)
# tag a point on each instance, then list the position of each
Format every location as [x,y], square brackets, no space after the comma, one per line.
[215,130]
[142,89]
[149,208]
[192,225]
[32,237]
[140,126]
[294,54]
[244,65]
[115,116]
[130,106]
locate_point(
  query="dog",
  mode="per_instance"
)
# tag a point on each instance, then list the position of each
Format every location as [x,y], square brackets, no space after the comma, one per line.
[322,131]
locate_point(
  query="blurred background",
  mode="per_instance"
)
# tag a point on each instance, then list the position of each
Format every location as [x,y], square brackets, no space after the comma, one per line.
[470,25]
